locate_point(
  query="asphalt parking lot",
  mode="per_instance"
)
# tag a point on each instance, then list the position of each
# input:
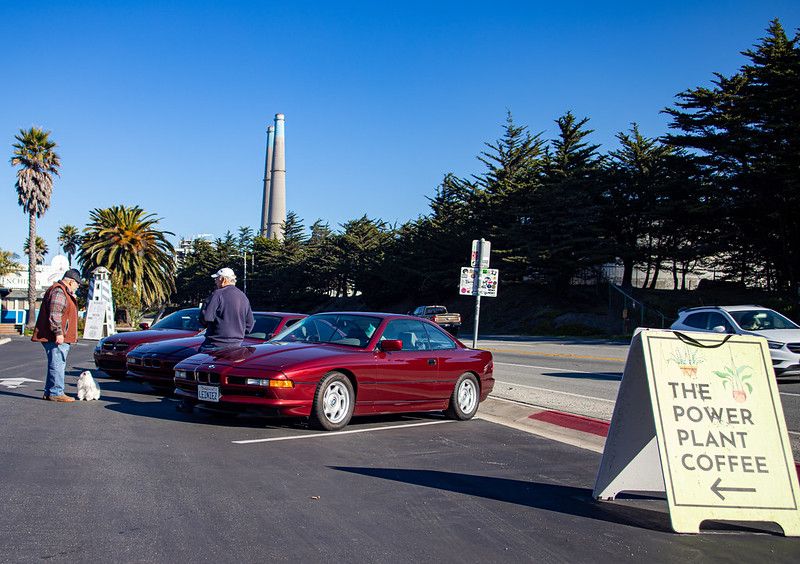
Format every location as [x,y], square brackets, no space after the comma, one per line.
[128,478]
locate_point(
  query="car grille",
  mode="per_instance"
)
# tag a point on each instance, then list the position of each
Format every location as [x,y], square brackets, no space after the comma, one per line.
[794,347]
[115,346]
[203,377]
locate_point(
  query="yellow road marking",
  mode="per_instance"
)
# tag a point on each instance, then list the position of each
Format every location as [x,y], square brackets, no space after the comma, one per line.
[555,355]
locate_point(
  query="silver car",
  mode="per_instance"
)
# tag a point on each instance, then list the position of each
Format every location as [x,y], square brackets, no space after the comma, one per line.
[782,334]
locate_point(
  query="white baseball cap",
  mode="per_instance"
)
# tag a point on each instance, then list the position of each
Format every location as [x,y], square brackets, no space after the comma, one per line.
[224,272]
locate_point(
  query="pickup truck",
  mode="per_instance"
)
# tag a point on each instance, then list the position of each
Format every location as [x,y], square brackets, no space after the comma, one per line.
[439,315]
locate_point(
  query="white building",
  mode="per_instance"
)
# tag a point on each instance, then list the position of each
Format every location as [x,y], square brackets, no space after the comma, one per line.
[14,288]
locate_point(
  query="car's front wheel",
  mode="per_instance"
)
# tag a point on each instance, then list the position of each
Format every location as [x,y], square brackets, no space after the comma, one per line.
[464,399]
[334,401]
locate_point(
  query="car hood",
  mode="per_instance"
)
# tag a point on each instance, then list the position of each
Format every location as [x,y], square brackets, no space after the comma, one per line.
[170,347]
[782,335]
[148,336]
[272,356]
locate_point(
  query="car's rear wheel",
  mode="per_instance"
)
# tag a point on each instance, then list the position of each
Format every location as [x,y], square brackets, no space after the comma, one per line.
[464,399]
[334,401]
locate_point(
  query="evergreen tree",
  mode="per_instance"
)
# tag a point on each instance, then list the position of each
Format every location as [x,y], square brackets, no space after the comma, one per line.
[567,235]
[744,132]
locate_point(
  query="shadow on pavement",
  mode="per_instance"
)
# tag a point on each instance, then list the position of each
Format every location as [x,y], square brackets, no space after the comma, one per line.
[551,497]
[610,376]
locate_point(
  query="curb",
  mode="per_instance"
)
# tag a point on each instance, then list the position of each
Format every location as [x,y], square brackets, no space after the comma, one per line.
[577,430]
[5,340]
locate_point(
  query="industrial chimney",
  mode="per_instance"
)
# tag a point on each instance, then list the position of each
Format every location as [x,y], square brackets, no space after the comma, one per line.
[277,192]
[267,175]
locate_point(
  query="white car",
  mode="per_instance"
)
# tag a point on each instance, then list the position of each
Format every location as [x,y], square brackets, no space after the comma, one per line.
[782,334]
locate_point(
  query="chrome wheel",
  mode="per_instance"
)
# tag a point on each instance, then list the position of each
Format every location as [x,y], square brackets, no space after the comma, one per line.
[336,402]
[467,395]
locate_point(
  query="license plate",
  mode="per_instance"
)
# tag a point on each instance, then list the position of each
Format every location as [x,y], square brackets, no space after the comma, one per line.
[208,393]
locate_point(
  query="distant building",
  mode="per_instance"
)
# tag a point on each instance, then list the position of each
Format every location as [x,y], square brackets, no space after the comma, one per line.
[184,247]
[14,288]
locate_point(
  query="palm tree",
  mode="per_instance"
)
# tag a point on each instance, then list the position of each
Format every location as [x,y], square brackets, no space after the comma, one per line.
[70,240]
[34,154]
[7,263]
[126,241]
[40,247]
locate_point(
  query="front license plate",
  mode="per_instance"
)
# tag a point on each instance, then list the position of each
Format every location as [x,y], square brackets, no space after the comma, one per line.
[208,393]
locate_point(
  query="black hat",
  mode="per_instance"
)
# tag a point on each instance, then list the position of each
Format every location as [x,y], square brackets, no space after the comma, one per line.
[74,274]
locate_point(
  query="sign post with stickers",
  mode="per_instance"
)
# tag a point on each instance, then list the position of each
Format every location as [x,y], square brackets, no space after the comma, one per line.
[478,280]
[699,417]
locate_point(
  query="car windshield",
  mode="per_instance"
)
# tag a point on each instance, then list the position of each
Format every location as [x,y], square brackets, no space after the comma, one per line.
[186,319]
[264,327]
[762,320]
[337,329]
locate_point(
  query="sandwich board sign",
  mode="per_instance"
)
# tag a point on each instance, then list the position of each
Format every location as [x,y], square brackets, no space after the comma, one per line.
[698,417]
[99,307]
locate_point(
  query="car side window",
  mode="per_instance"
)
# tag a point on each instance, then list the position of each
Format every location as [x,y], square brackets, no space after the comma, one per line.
[698,320]
[715,319]
[439,339]
[409,331]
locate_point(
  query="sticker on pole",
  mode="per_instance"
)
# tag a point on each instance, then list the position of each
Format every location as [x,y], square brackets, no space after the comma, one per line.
[699,417]
[476,281]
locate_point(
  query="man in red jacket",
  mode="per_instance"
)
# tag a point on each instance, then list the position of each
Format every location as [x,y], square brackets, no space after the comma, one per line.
[57,328]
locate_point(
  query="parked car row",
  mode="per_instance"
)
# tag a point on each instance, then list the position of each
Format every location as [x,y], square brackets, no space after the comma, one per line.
[326,367]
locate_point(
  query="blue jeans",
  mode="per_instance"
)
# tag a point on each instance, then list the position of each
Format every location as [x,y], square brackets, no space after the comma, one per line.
[56,364]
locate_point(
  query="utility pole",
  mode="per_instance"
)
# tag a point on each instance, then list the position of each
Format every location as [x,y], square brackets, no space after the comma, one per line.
[244,262]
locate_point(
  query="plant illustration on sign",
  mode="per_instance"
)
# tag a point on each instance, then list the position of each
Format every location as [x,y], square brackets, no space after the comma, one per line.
[687,359]
[737,377]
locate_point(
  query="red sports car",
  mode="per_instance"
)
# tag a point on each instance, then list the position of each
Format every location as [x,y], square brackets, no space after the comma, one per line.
[331,366]
[154,363]
[110,353]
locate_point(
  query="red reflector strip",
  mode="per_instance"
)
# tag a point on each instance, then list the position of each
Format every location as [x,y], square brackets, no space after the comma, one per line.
[576,422]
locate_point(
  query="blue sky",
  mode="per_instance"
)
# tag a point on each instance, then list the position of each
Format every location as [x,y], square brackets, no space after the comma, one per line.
[165,104]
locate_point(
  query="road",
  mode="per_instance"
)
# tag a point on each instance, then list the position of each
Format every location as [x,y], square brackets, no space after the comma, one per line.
[129,479]
[582,376]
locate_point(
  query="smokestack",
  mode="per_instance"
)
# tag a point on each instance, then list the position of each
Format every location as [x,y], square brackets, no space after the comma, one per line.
[277,192]
[267,174]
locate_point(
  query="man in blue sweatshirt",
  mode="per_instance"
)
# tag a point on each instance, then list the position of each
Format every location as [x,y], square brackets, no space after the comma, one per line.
[226,315]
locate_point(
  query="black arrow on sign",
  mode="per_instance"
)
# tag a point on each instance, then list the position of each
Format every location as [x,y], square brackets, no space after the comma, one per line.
[716,488]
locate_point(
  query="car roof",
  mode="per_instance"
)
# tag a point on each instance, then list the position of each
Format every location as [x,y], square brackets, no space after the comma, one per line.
[723,308]
[383,315]
[280,313]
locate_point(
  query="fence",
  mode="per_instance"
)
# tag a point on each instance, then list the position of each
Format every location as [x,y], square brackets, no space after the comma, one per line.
[631,313]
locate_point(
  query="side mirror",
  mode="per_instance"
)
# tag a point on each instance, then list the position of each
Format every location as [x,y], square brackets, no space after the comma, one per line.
[390,345]
[719,329]
[144,326]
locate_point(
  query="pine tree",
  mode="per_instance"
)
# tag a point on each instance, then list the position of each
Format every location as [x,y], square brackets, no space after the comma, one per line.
[744,131]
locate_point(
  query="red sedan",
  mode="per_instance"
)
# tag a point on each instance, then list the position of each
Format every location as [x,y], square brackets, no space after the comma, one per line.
[331,366]
[111,352]
[154,363]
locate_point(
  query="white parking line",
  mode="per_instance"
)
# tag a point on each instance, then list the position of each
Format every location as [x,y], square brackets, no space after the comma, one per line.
[7,368]
[557,369]
[551,391]
[317,435]
[789,394]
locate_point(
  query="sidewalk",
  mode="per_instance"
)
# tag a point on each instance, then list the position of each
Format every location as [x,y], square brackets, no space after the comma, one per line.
[576,430]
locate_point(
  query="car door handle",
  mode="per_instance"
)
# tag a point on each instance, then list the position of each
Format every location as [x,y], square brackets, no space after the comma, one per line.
[431,361]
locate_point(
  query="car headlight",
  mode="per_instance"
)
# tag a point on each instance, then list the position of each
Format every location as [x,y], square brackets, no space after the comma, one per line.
[267,383]
[180,374]
[775,344]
